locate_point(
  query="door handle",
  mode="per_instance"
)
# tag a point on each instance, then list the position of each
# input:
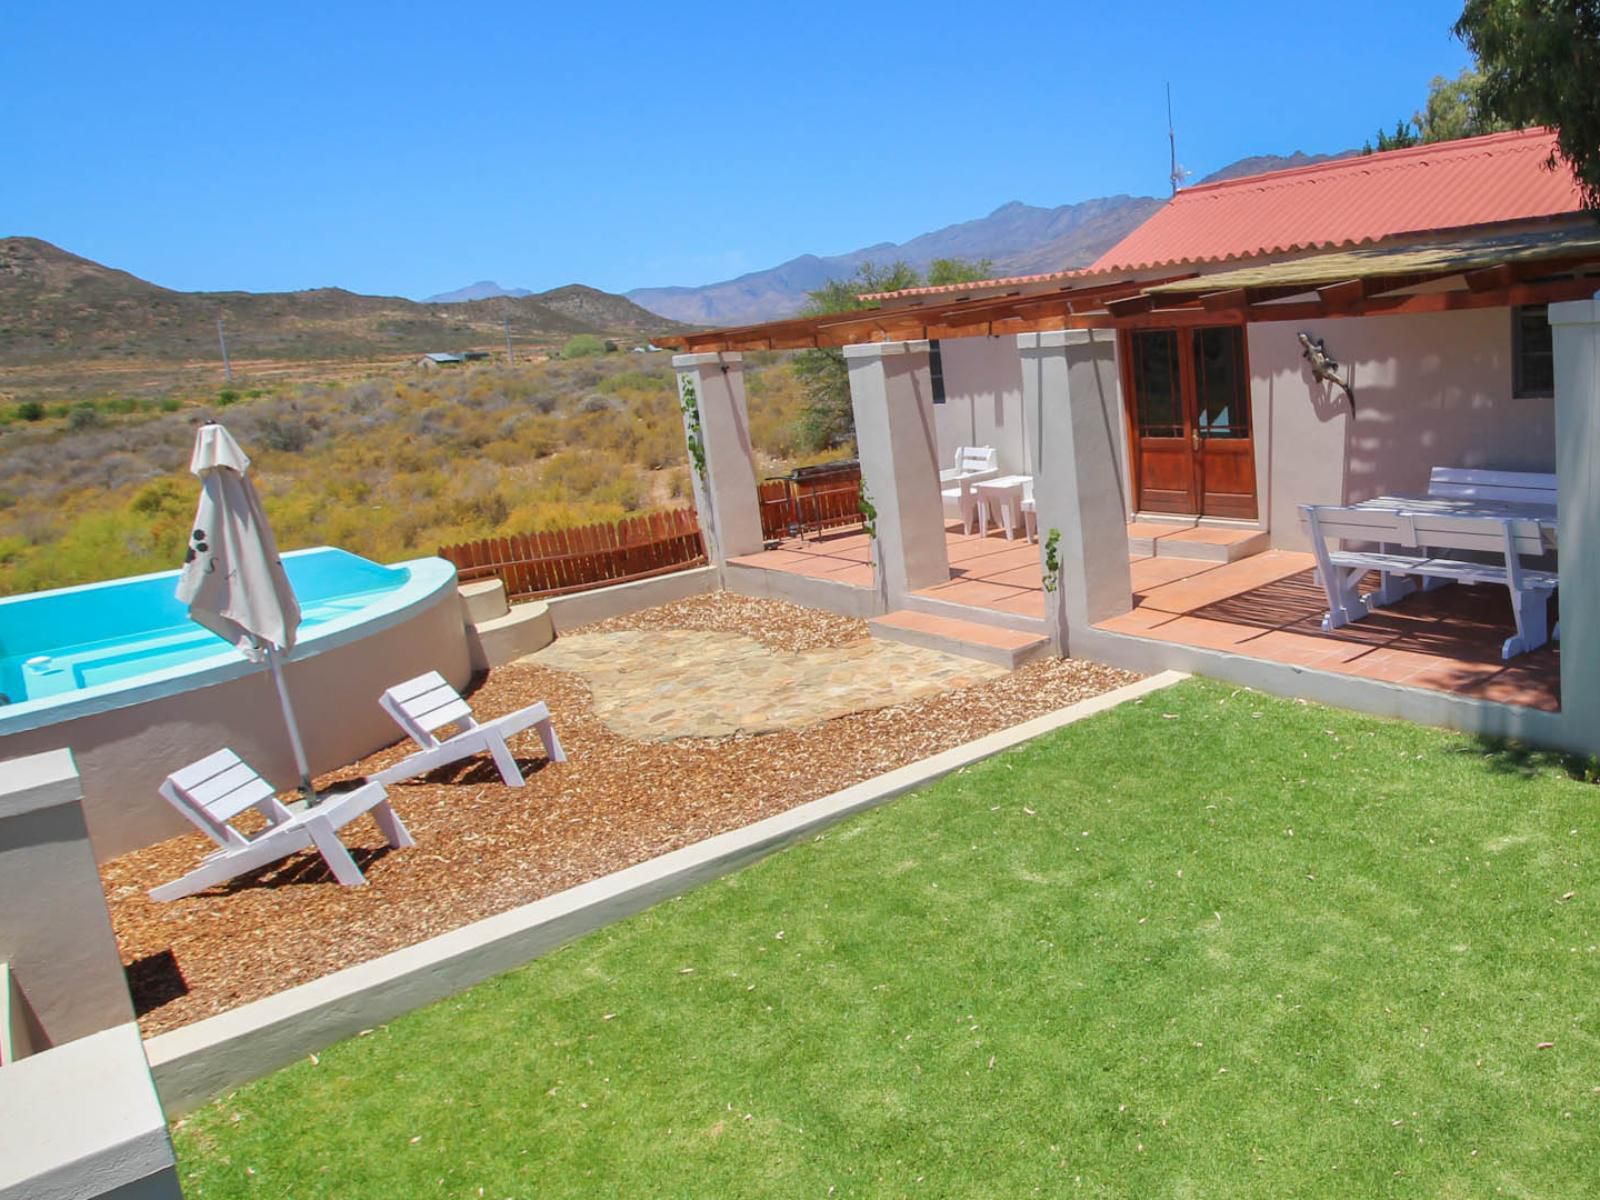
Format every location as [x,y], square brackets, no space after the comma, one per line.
[1194,439]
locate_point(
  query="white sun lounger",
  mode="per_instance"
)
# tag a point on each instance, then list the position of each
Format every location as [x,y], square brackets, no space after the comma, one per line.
[427,703]
[215,790]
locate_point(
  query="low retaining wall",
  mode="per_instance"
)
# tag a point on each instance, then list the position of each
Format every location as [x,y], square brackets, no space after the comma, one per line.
[584,608]
[1421,705]
[210,1057]
[846,599]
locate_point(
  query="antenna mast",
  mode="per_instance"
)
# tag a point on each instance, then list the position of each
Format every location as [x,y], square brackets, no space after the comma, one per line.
[1176,176]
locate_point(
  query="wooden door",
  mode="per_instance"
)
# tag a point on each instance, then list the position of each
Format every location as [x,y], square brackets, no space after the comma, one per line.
[1189,414]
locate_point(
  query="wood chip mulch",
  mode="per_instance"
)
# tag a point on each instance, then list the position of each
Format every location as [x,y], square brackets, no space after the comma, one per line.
[483,848]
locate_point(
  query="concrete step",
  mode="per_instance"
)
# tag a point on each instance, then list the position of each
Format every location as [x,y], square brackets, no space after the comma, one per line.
[483,600]
[524,629]
[1007,648]
[935,607]
[1206,543]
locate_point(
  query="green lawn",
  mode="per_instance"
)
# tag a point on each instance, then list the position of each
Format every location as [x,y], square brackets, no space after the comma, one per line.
[1213,944]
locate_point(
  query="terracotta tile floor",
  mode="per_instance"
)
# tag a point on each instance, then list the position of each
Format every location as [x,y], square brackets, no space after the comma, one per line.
[1269,607]
[1266,606]
[841,555]
[989,572]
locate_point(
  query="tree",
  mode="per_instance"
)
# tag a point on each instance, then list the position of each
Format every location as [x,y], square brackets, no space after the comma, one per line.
[583,345]
[1455,109]
[1401,139]
[828,419]
[1539,60]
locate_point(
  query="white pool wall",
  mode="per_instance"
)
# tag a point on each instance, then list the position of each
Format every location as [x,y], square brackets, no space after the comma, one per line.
[335,676]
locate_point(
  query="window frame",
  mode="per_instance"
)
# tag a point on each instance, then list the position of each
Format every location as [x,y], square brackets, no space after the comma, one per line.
[1519,387]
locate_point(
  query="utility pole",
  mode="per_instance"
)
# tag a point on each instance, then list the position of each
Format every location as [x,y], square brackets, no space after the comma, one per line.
[222,338]
[1172,144]
[505,324]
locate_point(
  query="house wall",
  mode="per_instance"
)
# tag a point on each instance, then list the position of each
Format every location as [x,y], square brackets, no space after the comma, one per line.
[1430,390]
[983,400]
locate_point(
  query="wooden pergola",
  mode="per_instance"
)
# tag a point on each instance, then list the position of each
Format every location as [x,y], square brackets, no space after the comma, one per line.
[1539,267]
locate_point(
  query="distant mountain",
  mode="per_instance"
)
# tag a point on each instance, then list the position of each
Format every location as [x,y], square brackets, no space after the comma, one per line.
[1020,239]
[1260,164]
[484,289]
[59,307]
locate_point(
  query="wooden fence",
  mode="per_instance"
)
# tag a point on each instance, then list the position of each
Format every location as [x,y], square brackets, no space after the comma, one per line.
[797,506]
[559,561]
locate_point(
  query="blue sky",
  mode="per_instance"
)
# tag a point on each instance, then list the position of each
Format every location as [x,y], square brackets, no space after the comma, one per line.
[409,149]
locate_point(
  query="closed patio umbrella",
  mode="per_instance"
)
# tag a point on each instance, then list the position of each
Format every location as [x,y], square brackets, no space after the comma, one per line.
[233,580]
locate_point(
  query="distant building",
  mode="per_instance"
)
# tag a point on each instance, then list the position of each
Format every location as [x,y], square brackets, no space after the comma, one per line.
[430,361]
[474,355]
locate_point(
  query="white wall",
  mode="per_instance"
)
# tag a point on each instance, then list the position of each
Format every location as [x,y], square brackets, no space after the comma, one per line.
[1431,390]
[983,400]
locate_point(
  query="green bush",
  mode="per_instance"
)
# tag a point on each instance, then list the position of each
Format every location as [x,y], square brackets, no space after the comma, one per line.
[170,404]
[583,345]
[227,396]
[30,410]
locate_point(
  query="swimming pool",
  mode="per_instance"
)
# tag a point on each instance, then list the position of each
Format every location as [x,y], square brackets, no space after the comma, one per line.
[119,674]
[70,641]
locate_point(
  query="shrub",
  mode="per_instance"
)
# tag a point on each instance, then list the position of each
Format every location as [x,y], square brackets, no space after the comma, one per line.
[30,410]
[170,404]
[583,345]
[85,416]
[288,434]
[227,396]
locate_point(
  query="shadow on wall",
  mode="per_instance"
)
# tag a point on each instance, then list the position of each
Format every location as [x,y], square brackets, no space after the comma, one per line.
[1436,391]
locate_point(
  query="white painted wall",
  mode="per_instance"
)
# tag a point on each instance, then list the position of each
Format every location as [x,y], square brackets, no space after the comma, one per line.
[1432,390]
[983,400]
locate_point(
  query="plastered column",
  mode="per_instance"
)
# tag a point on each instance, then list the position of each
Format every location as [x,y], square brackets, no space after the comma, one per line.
[54,928]
[1071,405]
[891,392]
[1576,328]
[725,494]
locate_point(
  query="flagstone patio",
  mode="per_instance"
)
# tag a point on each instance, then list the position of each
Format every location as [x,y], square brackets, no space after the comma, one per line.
[654,685]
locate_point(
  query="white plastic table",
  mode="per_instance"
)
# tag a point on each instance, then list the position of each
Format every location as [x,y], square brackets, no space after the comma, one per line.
[1006,491]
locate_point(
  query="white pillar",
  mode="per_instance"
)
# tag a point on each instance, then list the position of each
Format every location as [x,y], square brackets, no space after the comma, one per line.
[1576,329]
[1071,404]
[892,395]
[723,472]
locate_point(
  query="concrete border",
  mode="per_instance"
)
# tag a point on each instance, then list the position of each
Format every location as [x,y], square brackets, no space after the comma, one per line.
[621,599]
[845,599]
[1423,706]
[210,1057]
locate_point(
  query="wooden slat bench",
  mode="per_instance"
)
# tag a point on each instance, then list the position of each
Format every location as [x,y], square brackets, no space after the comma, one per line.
[1503,513]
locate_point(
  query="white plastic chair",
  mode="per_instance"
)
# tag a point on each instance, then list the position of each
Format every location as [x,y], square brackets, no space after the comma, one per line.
[215,790]
[1030,512]
[973,464]
[426,704]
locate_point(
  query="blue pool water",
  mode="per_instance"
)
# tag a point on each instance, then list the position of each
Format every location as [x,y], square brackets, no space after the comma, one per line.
[54,644]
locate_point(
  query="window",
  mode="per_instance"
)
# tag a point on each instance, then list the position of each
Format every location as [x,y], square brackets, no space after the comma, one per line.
[1533,359]
[1221,391]
[1155,382]
[936,371]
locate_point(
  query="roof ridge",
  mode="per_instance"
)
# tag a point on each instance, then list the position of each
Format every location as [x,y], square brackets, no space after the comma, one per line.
[1454,147]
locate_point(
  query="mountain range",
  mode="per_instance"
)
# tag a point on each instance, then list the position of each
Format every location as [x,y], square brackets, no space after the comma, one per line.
[57,307]
[1017,239]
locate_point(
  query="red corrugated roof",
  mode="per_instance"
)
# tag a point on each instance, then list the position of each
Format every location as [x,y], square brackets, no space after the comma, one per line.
[977,284]
[1350,201]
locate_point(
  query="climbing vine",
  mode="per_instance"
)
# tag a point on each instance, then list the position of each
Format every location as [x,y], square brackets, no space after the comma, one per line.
[691,419]
[869,512]
[1052,561]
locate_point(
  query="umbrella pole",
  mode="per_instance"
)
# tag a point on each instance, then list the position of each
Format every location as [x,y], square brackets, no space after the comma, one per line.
[293,726]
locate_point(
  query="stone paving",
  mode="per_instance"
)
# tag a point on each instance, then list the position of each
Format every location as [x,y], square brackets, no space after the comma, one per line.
[657,685]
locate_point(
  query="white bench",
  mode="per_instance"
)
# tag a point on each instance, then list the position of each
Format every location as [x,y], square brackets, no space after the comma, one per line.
[1509,514]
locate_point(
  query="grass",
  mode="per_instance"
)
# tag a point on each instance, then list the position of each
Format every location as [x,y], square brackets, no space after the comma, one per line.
[1209,944]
